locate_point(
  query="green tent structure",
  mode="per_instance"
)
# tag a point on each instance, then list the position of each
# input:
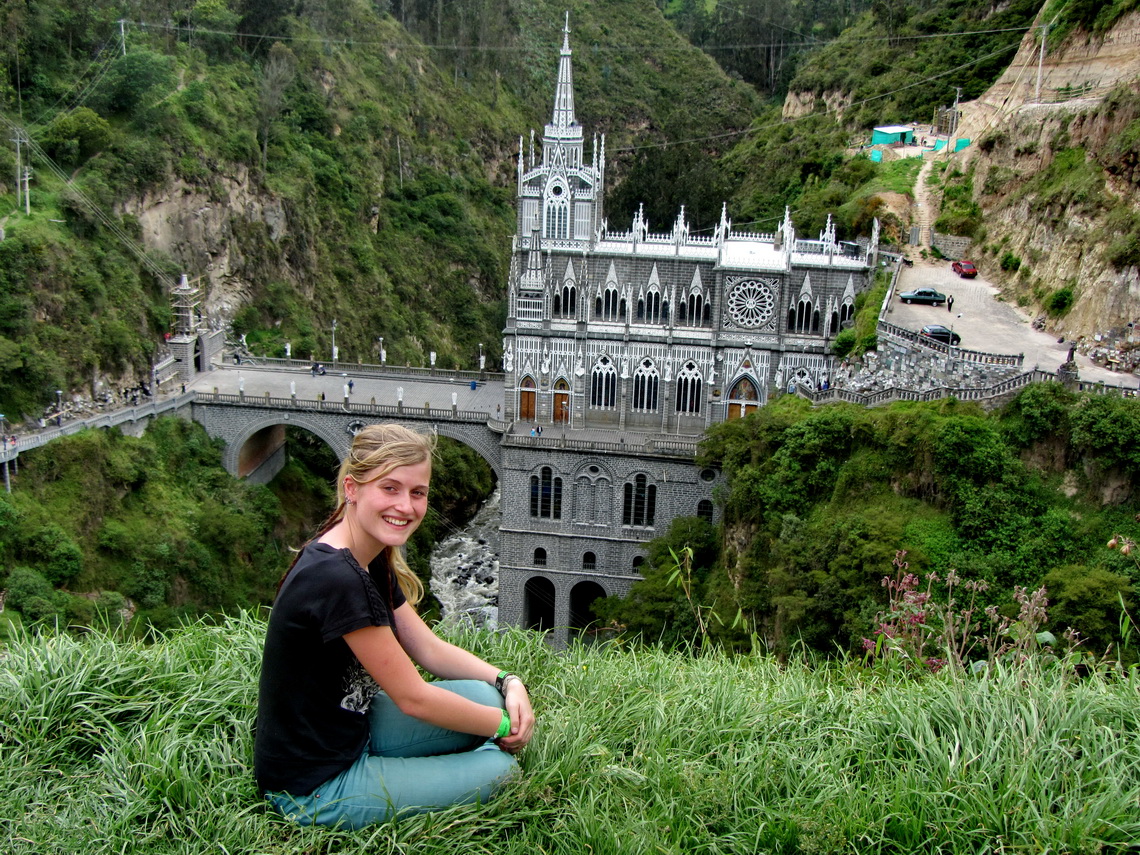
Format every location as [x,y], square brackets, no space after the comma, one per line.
[892,135]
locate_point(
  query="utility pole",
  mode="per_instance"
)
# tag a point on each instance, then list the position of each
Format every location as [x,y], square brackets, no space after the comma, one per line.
[953,135]
[123,35]
[18,140]
[27,191]
[1040,63]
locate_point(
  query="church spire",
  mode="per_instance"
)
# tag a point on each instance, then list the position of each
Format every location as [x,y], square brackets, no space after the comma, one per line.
[563,119]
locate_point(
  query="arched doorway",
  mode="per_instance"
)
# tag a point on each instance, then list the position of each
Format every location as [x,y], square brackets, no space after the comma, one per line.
[561,402]
[743,398]
[538,604]
[583,621]
[527,395]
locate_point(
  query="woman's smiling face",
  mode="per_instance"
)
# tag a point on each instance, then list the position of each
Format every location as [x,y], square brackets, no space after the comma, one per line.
[389,508]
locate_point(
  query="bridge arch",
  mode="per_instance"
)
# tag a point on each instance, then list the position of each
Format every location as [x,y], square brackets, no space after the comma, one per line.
[238,422]
[339,442]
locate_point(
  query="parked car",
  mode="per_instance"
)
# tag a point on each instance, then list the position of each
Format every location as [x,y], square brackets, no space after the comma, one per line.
[965,269]
[923,295]
[941,333]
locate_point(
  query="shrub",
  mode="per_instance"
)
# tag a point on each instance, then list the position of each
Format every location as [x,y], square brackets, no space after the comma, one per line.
[76,136]
[1010,262]
[1059,302]
[844,343]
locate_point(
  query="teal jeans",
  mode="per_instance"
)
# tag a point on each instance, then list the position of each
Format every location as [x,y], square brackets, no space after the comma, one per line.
[408,766]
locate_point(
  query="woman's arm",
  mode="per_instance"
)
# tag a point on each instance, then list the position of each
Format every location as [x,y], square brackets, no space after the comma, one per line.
[449,662]
[378,650]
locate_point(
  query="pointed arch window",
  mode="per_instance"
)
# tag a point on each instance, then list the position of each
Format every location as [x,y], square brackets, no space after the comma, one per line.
[689,387]
[696,307]
[846,312]
[603,384]
[566,302]
[608,306]
[649,308]
[557,214]
[646,386]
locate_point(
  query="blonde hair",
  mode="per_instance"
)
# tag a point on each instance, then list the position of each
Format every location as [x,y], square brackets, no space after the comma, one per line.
[376,451]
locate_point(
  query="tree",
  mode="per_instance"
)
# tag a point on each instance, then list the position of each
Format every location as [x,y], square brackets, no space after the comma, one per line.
[279,70]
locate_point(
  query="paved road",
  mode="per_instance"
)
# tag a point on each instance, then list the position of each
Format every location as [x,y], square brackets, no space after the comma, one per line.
[987,323]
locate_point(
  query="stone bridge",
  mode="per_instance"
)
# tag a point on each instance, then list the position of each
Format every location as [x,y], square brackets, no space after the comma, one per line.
[253,427]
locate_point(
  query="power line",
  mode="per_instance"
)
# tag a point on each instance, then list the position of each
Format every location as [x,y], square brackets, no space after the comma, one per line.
[90,204]
[868,100]
[594,48]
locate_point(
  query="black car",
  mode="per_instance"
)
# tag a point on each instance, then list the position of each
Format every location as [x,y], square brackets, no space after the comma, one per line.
[923,295]
[941,333]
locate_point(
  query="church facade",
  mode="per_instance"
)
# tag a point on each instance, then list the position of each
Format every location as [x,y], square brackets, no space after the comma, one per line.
[620,349]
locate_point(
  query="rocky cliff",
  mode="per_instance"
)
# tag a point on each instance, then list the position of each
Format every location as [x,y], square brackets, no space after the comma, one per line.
[1054,170]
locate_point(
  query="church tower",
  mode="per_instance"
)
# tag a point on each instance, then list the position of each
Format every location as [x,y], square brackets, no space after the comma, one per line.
[560,198]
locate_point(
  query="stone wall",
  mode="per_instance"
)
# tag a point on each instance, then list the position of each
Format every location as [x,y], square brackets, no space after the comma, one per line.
[951,246]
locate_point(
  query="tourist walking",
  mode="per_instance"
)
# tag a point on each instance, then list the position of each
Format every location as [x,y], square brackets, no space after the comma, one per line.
[950,303]
[348,732]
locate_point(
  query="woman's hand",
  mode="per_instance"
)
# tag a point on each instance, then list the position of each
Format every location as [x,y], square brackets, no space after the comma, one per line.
[517,702]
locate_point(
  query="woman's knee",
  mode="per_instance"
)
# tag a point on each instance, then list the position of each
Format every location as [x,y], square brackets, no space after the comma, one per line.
[474,690]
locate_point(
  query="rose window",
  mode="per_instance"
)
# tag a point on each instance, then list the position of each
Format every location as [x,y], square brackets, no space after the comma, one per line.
[751,302]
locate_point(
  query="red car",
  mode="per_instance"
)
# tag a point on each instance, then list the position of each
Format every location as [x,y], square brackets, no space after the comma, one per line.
[964,269]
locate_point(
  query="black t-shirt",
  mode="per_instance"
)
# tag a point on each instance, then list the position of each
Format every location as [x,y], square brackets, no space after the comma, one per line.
[314,694]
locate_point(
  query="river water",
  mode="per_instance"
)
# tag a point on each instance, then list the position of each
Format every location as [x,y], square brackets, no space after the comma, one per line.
[465,570]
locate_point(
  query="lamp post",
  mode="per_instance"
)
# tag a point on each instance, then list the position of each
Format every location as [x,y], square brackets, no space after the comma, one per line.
[334,340]
[481,362]
[59,408]
[382,354]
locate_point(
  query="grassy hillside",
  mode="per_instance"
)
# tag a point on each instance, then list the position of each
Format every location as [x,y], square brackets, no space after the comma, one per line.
[115,746]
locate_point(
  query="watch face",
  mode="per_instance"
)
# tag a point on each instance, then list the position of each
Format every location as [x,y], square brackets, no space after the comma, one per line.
[751,302]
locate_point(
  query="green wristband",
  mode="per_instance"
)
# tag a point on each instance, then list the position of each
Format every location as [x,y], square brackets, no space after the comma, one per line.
[504,726]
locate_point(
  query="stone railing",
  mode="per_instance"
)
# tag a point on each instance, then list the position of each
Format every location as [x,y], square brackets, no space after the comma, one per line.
[334,405]
[983,394]
[978,356]
[661,447]
[109,419]
[365,369]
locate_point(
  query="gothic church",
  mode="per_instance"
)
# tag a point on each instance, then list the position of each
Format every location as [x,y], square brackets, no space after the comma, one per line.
[620,348]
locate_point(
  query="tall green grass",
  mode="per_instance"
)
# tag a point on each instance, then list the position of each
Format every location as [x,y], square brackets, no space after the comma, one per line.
[110,745]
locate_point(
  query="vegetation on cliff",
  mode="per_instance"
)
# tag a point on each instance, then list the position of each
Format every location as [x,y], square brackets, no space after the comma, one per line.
[905,60]
[819,500]
[103,528]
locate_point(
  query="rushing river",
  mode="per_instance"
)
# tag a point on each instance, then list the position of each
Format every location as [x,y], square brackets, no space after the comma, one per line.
[465,569]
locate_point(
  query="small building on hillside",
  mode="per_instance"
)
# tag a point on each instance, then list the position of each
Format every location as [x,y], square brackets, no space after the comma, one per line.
[892,135]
